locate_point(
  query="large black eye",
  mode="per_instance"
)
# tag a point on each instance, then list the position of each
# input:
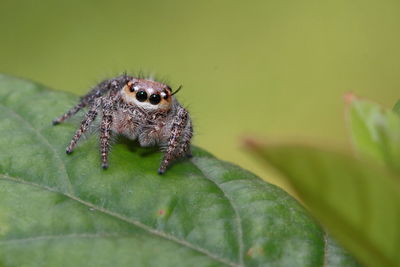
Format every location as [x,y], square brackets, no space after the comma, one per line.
[141,96]
[155,99]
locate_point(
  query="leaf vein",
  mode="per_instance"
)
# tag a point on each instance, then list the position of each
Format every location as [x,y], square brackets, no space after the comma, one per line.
[325,256]
[236,211]
[65,236]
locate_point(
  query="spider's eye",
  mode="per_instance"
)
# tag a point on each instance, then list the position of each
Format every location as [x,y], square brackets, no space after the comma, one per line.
[155,99]
[165,94]
[141,96]
[131,85]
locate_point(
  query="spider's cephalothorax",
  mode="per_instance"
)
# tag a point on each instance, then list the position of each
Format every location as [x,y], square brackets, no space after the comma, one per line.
[140,109]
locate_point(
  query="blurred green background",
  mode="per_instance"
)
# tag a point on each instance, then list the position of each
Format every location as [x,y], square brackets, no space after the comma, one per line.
[271,68]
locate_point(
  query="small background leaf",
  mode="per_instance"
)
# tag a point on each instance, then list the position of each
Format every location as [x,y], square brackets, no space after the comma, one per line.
[396,107]
[357,201]
[375,131]
[65,210]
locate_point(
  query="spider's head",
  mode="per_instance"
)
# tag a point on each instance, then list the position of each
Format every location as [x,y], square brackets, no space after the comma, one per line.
[147,94]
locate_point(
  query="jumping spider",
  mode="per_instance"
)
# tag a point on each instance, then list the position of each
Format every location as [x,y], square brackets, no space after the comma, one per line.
[140,109]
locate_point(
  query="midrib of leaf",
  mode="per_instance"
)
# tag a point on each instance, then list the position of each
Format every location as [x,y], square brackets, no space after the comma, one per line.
[125,219]
[45,142]
[235,209]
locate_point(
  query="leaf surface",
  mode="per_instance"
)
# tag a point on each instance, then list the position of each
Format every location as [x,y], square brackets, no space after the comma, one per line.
[64,210]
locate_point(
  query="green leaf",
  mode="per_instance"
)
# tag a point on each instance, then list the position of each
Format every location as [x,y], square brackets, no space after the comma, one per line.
[375,132]
[396,107]
[357,201]
[58,209]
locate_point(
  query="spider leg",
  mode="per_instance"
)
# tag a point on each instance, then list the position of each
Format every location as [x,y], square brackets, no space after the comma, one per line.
[183,149]
[175,148]
[98,91]
[105,133]
[186,150]
[89,118]
[69,113]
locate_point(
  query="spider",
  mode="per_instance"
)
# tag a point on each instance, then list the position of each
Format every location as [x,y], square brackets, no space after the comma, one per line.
[137,108]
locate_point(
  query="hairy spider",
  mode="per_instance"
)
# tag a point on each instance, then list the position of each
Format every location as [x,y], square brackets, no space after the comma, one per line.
[138,108]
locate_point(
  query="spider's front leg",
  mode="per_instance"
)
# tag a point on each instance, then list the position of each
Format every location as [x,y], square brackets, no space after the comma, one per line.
[179,140]
[70,112]
[89,118]
[98,91]
[105,132]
